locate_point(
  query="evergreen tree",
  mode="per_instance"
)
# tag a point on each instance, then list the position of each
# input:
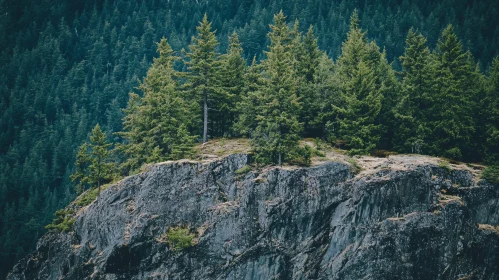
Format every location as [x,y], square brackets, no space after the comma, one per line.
[360,98]
[58,77]
[412,110]
[203,66]
[451,124]
[94,160]
[152,123]
[326,94]
[389,88]
[247,106]
[307,54]
[184,142]
[81,165]
[231,79]
[277,106]
[492,109]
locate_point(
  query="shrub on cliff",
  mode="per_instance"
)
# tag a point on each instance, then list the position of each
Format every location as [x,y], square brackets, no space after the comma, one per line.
[179,238]
[491,174]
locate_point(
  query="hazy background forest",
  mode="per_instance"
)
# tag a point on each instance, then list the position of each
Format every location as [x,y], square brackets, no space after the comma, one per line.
[68,65]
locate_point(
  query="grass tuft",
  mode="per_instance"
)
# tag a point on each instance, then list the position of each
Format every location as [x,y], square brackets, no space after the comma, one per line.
[179,238]
[243,170]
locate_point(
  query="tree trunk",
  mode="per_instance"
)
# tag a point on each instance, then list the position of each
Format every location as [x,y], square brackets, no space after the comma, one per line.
[98,182]
[98,192]
[280,159]
[205,118]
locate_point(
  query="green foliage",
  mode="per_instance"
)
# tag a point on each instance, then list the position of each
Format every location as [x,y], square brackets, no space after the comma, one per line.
[243,170]
[354,165]
[300,156]
[413,107]
[444,164]
[179,238]
[203,66]
[63,221]
[361,97]
[491,114]
[231,81]
[156,126]
[94,163]
[70,67]
[450,122]
[491,174]
[184,142]
[276,105]
[87,198]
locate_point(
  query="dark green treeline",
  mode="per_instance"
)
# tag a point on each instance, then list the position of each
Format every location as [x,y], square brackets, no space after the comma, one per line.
[441,104]
[67,65]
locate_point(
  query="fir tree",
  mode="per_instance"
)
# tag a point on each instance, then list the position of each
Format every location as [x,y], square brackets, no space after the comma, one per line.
[389,89]
[152,123]
[247,106]
[411,112]
[95,165]
[101,167]
[492,122]
[231,80]
[81,166]
[451,124]
[306,53]
[183,144]
[203,69]
[361,99]
[326,94]
[277,105]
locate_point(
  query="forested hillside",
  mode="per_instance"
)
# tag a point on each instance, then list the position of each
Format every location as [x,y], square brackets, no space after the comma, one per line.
[66,66]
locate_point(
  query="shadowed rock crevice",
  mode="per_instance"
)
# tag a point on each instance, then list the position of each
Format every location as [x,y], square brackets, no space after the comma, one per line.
[401,217]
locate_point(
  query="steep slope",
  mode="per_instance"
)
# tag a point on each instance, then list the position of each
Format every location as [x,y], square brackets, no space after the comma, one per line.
[402,217]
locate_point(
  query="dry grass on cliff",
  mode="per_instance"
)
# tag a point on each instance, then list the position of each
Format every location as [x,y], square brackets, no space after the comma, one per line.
[489,227]
[222,147]
[323,152]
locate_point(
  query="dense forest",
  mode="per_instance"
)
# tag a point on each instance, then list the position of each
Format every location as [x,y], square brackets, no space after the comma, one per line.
[411,76]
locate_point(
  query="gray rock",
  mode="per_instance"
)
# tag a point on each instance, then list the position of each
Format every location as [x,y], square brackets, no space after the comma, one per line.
[321,222]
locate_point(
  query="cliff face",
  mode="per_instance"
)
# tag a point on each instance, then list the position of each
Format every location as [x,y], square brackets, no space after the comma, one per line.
[401,218]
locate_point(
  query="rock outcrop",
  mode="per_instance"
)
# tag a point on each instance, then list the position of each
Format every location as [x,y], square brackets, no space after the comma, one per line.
[403,217]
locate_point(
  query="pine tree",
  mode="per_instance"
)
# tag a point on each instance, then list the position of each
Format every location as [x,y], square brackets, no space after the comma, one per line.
[81,165]
[411,112]
[247,106]
[231,80]
[361,99]
[152,123]
[306,53]
[492,108]
[184,142]
[277,106]
[203,69]
[389,88]
[326,93]
[94,162]
[451,124]
[278,128]
[101,169]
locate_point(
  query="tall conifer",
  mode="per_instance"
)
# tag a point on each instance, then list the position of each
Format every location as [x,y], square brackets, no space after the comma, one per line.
[412,109]
[361,99]
[203,66]
[152,123]
[231,79]
[492,105]
[451,123]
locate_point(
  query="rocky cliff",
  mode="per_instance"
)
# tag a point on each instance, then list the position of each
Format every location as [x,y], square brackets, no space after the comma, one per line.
[402,217]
